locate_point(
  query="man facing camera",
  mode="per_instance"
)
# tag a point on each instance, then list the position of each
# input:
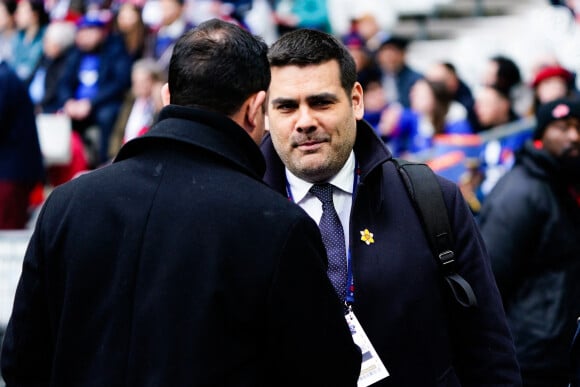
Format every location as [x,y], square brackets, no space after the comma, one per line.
[322,156]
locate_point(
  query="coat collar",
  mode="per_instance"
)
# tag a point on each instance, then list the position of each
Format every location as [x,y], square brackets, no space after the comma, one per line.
[211,131]
[370,152]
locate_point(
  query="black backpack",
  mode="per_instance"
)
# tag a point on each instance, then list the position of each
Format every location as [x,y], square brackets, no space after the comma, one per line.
[425,193]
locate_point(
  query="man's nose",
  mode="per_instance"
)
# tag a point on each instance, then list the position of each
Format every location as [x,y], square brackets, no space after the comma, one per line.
[574,133]
[306,123]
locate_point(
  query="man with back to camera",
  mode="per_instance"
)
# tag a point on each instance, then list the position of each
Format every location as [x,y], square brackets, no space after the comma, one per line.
[530,222]
[421,335]
[176,265]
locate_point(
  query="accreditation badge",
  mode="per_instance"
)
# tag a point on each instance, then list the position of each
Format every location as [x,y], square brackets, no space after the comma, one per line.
[372,369]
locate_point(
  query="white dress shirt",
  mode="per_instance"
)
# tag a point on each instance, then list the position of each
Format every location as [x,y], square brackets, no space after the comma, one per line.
[343,182]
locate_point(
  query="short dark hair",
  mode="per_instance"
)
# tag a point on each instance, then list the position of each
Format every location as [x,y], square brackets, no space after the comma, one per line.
[217,66]
[508,73]
[305,47]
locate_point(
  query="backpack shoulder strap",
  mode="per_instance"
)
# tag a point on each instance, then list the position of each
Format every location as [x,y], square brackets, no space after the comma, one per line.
[426,195]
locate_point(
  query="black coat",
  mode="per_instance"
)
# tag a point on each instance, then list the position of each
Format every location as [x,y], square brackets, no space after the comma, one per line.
[177,266]
[423,338]
[531,226]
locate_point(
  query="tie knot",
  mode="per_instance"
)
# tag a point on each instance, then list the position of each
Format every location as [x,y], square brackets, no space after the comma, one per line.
[323,192]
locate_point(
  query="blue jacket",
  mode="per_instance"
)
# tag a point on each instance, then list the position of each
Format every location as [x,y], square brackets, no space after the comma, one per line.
[423,337]
[20,156]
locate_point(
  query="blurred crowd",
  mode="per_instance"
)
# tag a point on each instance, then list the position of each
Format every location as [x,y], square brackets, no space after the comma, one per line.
[100,64]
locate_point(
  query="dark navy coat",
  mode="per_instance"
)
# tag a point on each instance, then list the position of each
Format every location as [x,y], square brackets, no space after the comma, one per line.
[423,337]
[20,155]
[177,266]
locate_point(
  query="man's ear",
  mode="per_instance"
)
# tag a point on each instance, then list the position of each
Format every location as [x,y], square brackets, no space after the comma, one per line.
[256,107]
[165,95]
[358,101]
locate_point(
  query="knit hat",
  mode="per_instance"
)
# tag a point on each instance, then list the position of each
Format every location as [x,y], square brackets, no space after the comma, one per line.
[549,72]
[559,109]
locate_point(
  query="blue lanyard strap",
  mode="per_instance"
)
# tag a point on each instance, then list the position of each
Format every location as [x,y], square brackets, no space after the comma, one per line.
[349,280]
[349,299]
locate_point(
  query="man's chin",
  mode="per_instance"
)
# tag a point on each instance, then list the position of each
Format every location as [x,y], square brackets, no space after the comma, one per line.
[313,172]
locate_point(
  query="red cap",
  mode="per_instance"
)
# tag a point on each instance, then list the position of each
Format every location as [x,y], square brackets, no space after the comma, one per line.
[549,72]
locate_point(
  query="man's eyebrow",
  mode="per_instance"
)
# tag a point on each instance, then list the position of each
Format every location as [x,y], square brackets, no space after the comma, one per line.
[310,99]
[322,97]
[282,101]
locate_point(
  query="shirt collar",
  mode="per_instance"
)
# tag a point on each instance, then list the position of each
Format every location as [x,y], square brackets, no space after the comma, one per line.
[344,180]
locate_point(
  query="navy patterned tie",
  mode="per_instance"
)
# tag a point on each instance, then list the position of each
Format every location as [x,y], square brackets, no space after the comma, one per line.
[333,238]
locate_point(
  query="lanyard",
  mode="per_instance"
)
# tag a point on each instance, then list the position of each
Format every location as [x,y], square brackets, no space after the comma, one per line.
[349,300]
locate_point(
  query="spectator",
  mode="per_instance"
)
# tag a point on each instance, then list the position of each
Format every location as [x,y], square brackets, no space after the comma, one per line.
[94,84]
[493,107]
[21,166]
[531,225]
[7,28]
[176,265]
[445,72]
[317,136]
[398,77]
[31,21]
[551,83]
[504,74]
[129,24]
[139,109]
[57,45]
[58,42]
[415,127]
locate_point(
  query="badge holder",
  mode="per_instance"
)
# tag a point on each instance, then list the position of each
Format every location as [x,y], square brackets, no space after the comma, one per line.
[372,368]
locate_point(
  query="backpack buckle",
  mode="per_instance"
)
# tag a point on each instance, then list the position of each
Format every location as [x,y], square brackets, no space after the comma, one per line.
[446,257]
